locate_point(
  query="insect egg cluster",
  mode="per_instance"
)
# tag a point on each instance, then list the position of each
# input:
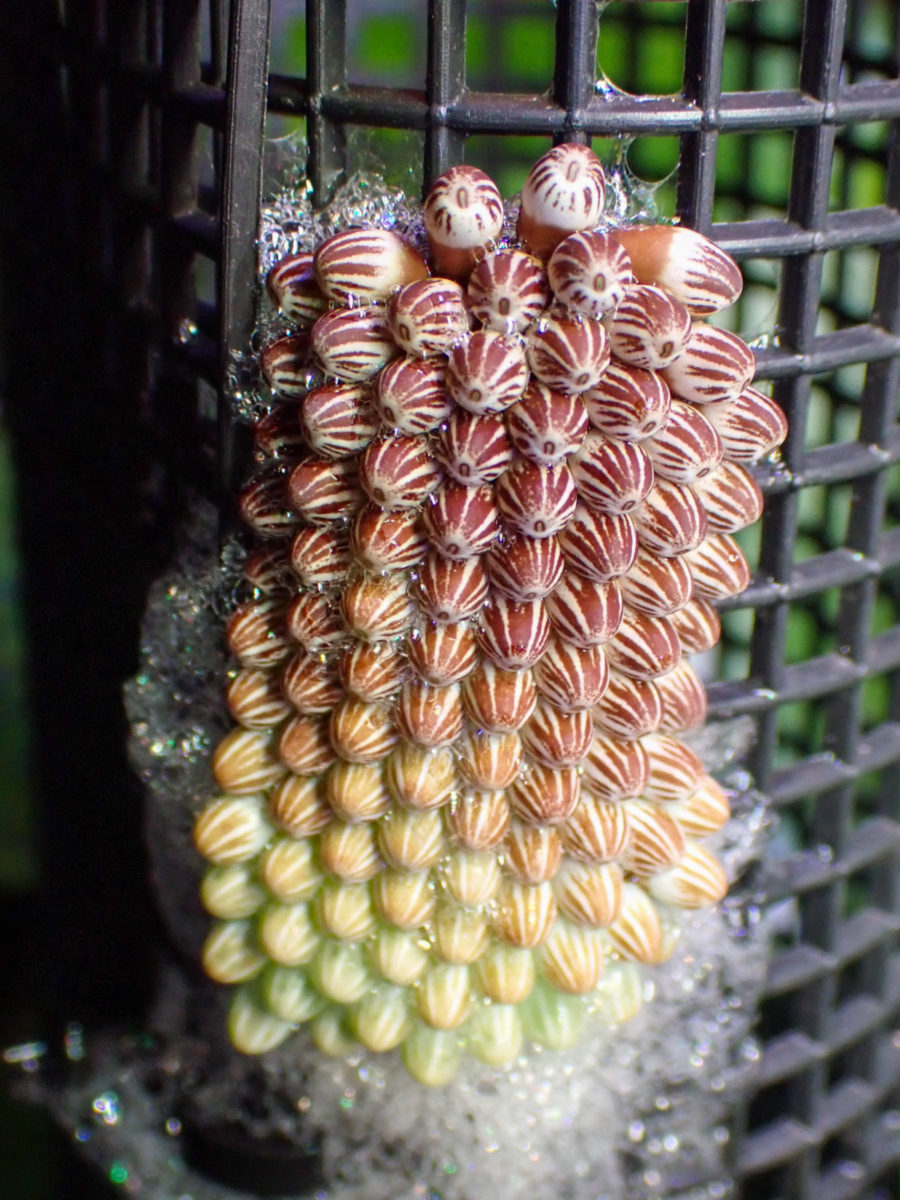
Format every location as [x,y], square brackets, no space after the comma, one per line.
[455,812]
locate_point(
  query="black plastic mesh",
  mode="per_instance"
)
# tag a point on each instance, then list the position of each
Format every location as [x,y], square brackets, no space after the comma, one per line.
[802,185]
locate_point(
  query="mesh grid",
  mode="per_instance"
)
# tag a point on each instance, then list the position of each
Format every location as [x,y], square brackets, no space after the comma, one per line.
[170,122]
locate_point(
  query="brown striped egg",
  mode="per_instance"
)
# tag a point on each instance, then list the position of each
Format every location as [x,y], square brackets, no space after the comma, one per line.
[571,959]
[731,497]
[230,953]
[449,591]
[345,911]
[339,419]
[267,573]
[563,194]
[231,891]
[546,425]
[584,612]
[340,973]
[643,647]
[566,353]
[499,701]
[597,830]
[398,472]
[614,769]
[524,569]
[444,995]
[750,427]
[697,881]
[420,777]
[512,635]
[656,586]
[718,568]
[649,328]
[279,434]
[557,739]
[442,654]
[704,811]
[298,806]
[487,372]
[397,955]
[589,272]
[410,396]
[508,291]
[349,852]
[460,934]
[656,841]
[428,317]
[376,608]
[285,366]
[428,715]
[463,215]
[386,541]
[231,829]
[629,403]
[572,678]
[461,521]
[716,366]
[698,626]
[256,634]
[471,876]
[353,343]
[289,870]
[473,450]
[489,760]
[263,506]
[589,894]
[671,520]
[410,840]
[637,933]
[675,769]
[506,974]
[292,287]
[478,820]
[363,266]
[683,698]
[601,546]
[545,795]
[303,746]
[357,791]
[361,732]
[372,671]
[688,449]
[684,262]
[320,555]
[323,490]
[310,685]
[531,853]
[314,620]
[286,933]
[612,476]
[244,762]
[629,708]
[524,914]
[404,898]
[534,500]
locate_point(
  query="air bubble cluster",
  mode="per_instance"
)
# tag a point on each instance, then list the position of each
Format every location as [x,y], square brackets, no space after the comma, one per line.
[492,520]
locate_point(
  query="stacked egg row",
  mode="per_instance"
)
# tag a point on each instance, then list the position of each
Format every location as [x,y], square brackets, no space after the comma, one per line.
[456,811]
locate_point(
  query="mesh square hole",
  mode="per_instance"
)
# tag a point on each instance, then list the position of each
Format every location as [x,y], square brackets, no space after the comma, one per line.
[641,46]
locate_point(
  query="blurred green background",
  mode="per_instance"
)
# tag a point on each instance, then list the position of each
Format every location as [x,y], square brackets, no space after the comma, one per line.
[510,48]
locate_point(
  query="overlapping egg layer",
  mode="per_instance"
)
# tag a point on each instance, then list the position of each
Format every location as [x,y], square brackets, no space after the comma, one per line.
[455,809]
